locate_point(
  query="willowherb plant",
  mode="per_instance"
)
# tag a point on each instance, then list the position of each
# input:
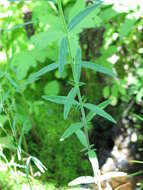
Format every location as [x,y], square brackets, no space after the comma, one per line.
[74,97]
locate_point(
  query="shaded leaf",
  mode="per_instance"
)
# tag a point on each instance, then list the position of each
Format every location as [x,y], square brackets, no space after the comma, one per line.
[81,15]
[63,54]
[98,68]
[99,111]
[43,71]
[77,65]
[102,105]
[72,129]
[69,101]
[81,136]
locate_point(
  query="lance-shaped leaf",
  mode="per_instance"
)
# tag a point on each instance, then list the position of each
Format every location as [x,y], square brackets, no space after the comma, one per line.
[81,136]
[82,180]
[98,68]
[69,101]
[13,83]
[72,129]
[99,111]
[77,65]
[81,15]
[43,71]
[58,99]
[94,163]
[62,54]
[102,105]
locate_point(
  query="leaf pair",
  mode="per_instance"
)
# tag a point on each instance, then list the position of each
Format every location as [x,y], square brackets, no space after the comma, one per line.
[75,128]
[68,100]
[99,111]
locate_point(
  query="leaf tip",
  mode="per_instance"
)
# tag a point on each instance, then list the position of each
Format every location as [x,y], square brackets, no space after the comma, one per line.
[61,139]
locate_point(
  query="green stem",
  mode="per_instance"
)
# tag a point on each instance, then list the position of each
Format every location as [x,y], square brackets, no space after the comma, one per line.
[72,63]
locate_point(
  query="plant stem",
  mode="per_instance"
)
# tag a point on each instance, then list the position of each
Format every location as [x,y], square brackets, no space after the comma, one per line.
[74,77]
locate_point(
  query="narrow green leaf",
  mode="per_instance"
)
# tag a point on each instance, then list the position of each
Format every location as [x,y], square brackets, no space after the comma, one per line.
[98,68]
[81,15]
[69,101]
[72,129]
[82,180]
[94,163]
[99,111]
[14,125]
[43,71]
[81,136]
[102,105]
[58,99]
[39,164]
[62,54]
[77,65]
[13,83]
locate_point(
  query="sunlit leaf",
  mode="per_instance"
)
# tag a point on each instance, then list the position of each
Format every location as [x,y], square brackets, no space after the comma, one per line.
[39,165]
[82,180]
[98,68]
[43,39]
[81,15]
[94,162]
[99,111]
[69,101]
[72,129]
[126,27]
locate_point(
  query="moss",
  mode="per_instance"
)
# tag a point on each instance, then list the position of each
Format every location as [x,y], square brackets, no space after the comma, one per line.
[62,159]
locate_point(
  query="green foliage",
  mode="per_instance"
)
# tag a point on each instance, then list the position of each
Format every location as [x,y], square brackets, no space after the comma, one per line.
[52,88]
[25,65]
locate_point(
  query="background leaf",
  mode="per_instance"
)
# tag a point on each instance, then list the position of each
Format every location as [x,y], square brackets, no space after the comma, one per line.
[52,88]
